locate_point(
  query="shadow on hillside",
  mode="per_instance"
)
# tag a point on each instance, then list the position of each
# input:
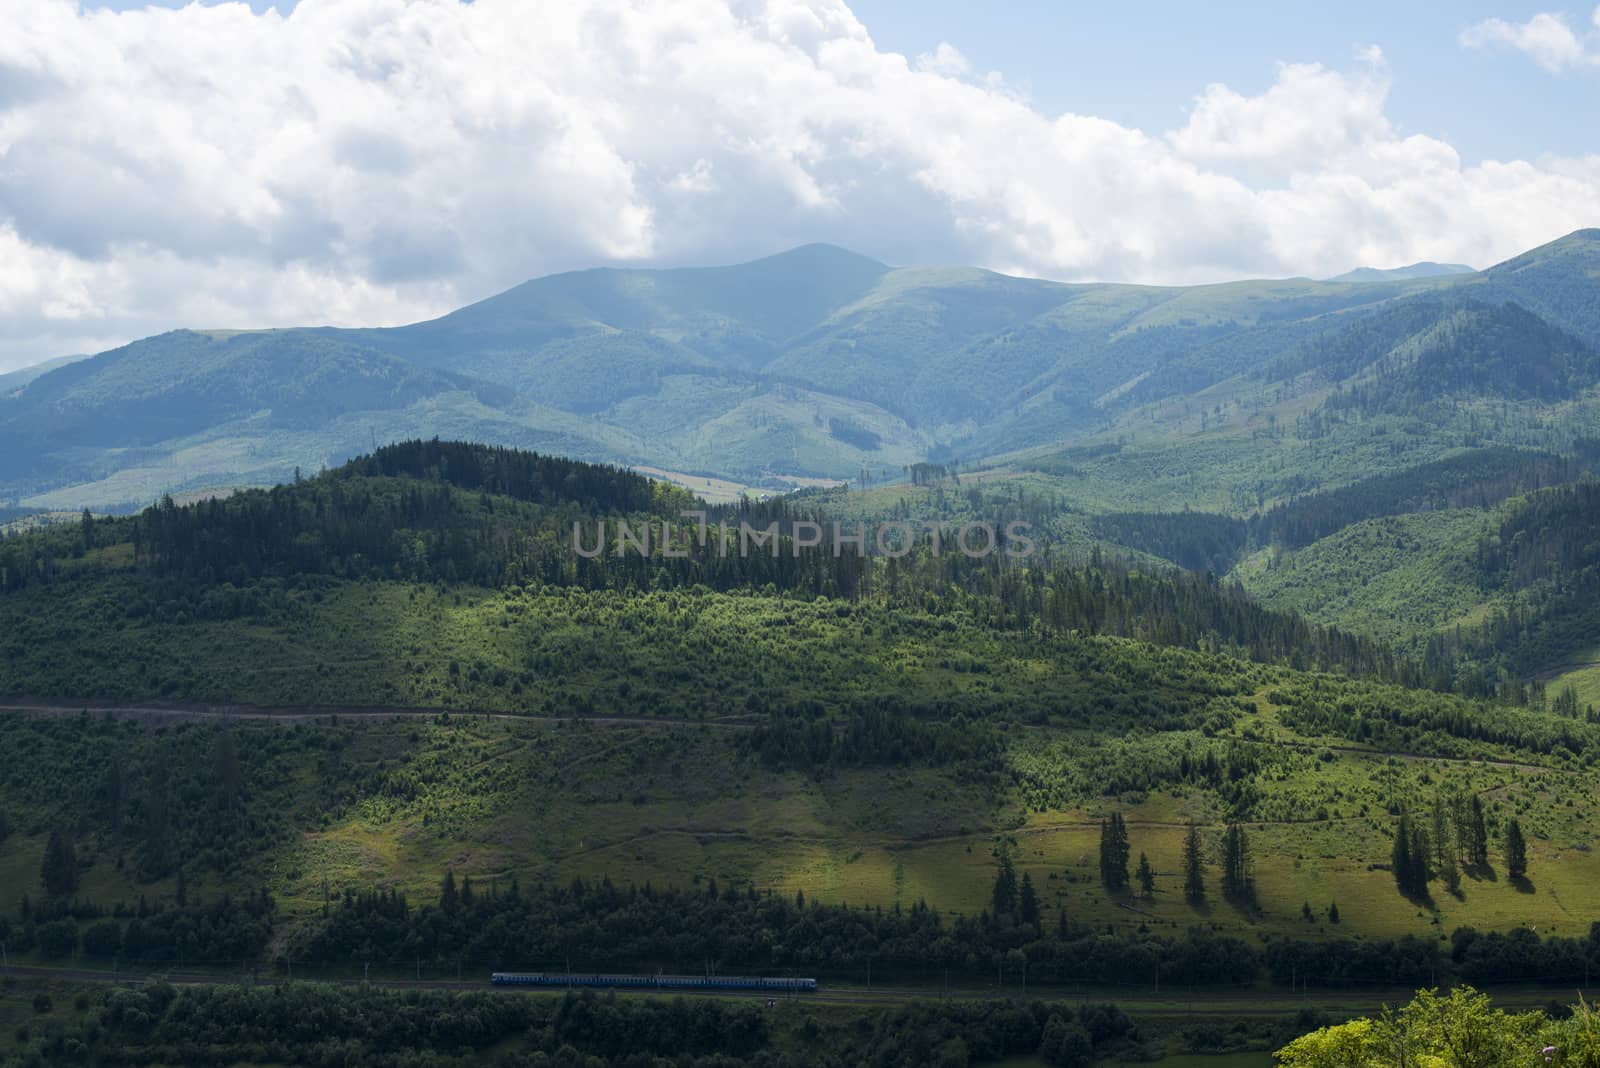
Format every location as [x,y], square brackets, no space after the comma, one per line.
[1481,873]
[1523,884]
[1423,900]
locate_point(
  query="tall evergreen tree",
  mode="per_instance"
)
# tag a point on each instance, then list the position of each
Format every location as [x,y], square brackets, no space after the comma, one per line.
[1238,877]
[1147,877]
[1421,857]
[1027,901]
[1194,875]
[1480,833]
[1441,836]
[1411,857]
[1114,851]
[1004,897]
[1516,851]
[59,872]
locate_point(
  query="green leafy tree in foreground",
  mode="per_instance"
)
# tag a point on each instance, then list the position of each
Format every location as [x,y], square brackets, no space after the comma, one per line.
[1456,1030]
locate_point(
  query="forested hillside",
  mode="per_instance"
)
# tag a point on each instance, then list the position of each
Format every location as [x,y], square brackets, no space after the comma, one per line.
[730,750]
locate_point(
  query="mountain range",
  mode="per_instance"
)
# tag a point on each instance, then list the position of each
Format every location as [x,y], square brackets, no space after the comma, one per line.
[813,365]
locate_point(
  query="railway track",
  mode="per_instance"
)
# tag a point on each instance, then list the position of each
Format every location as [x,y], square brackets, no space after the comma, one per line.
[1228,1003]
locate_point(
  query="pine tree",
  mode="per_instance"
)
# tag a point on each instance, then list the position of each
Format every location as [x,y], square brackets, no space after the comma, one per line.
[1147,876]
[1421,858]
[1400,855]
[59,872]
[1238,879]
[1461,824]
[1194,877]
[447,891]
[1004,897]
[1480,834]
[1441,833]
[1411,857]
[1516,851]
[1027,901]
[1333,912]
[1114,852]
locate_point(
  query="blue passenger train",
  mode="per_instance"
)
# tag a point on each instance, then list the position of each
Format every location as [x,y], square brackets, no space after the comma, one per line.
[655,982]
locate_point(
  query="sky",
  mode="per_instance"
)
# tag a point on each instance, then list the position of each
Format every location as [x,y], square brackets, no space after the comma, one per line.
[368,162]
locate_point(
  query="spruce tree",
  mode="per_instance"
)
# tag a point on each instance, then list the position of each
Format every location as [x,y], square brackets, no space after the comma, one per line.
[1194,877]
[1114,852]
[1400,855]
[1442,852]
[59,872]
[1238,880]
[1411,857]
[1027,901]
[1004,897]
[1147,876]
[1516,851]
[1421,858]
[1480,833]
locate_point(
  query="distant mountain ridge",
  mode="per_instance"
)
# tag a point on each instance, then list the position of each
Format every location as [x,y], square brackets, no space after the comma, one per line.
[1425,269]
[817,363]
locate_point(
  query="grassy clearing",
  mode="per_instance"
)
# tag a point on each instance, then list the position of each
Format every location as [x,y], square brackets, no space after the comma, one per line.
[495,799]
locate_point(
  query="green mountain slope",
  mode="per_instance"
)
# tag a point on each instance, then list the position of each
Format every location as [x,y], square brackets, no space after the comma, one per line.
[817,363]
[869,732]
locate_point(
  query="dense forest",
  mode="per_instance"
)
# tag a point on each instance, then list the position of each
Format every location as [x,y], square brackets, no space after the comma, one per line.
[424,512]
[475,928]
[310,1023]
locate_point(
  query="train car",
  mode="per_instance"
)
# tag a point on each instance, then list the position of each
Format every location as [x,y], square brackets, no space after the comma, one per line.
[783,984]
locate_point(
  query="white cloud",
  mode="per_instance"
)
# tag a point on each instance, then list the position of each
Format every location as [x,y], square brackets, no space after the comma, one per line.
[1546,38]
[946,59]
[377,161]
